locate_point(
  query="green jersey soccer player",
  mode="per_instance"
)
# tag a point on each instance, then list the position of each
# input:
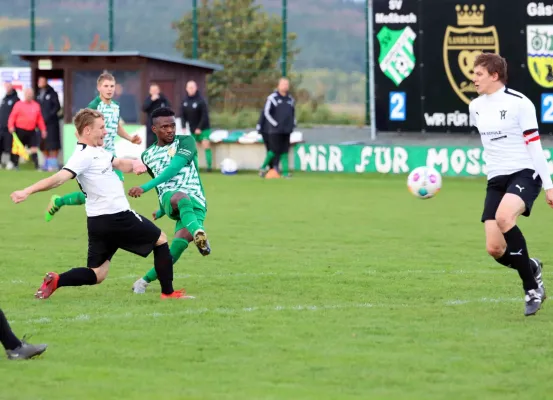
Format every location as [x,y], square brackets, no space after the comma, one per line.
[172,163]
[110,109]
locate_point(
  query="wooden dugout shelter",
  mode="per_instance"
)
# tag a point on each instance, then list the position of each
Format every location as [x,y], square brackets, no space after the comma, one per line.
[133,71]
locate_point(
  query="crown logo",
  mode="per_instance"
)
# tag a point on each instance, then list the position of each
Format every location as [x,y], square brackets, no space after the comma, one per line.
[470,16]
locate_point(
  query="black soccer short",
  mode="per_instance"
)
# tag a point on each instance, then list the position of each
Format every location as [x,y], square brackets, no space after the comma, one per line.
[28,138]
[279,143]
[126,230]
[522,183]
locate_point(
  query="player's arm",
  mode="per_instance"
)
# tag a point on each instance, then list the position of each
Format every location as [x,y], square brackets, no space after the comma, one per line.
[13,117]
[123,133]
[40,123]
[58,179]
[127,166]
[183,119]
[203,114]
[184,156]
[268,110]
[529,125]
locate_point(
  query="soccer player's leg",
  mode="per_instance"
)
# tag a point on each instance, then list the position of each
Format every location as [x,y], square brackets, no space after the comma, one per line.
[180,243]
[268,161]
[57,202]
[203,138]
[120,175]
[522,191]
[101,248]
[17,349]
[141,237]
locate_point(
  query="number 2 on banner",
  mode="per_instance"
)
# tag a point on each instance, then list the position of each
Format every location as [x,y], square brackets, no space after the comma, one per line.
[547,108]
[397,106]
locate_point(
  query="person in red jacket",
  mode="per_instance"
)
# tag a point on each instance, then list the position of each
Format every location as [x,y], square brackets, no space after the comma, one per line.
[25,118]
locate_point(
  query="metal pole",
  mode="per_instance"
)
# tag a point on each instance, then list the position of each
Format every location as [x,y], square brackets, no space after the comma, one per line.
[370,87]
[33,26]
[284,37]
[110,19]
[195,29]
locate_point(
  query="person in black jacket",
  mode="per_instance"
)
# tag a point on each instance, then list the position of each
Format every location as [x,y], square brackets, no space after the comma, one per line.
[194,111]
[280,112]
[263,128]
[50,106]
[155,100]
[5,110]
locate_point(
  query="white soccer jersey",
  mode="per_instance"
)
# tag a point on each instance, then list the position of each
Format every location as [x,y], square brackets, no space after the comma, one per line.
[102,187]
[506,121]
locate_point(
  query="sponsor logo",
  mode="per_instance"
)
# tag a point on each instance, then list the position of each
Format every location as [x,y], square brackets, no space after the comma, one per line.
[397,57]
[394,17]
[534,9]
[462,44]
[456,118]
[539,46]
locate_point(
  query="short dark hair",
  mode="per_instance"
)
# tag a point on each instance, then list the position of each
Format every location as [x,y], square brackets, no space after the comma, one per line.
[493,63]
[162,112]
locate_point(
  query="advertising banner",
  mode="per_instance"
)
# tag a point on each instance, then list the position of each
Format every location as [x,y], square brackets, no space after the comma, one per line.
[449,161]
[433,82]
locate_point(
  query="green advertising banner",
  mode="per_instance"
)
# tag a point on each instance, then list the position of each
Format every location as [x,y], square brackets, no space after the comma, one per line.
[449,161]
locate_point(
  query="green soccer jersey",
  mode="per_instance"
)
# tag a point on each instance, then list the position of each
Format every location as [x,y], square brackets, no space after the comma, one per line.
[111,118]
[187,180]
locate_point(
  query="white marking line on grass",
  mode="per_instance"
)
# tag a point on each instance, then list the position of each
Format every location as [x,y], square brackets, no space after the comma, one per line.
[278,308]
[177,276]
[315,274]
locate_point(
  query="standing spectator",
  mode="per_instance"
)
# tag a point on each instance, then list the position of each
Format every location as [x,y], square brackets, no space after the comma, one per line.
[280,111]
[50,106]
[155,100]
[263,128]
[25,118]
[6,107]
[194,111]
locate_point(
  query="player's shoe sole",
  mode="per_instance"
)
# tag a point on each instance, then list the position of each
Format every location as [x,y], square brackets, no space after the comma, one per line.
[49,286]
[52,209]
[201,242]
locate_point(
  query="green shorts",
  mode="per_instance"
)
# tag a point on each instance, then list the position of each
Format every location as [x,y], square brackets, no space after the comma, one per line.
[199,210]
[120,175]
[204,135]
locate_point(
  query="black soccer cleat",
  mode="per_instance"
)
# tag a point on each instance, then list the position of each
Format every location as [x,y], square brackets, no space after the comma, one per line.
[201,242]
[533,301]
[537,274]
[26,351]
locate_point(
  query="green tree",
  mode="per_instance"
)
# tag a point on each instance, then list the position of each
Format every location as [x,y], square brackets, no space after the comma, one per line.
[247,41]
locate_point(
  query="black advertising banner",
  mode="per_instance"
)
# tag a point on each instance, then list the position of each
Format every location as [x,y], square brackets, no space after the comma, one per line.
[451,33]
[538,59]
[397,74]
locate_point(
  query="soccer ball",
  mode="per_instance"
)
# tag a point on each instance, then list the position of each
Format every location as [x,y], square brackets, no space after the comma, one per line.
[229,166]
[424,182]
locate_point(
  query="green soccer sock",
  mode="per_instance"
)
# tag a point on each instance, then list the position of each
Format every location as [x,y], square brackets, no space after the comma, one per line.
[268,158]
[71,199]
[177,248]
[208,158]
[284,163]
[187,216]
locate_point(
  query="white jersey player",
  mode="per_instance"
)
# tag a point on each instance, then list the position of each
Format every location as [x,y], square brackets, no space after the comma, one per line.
[111,222]
[517,170]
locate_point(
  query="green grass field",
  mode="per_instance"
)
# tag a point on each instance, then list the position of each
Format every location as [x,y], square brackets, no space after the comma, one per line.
[319,287]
